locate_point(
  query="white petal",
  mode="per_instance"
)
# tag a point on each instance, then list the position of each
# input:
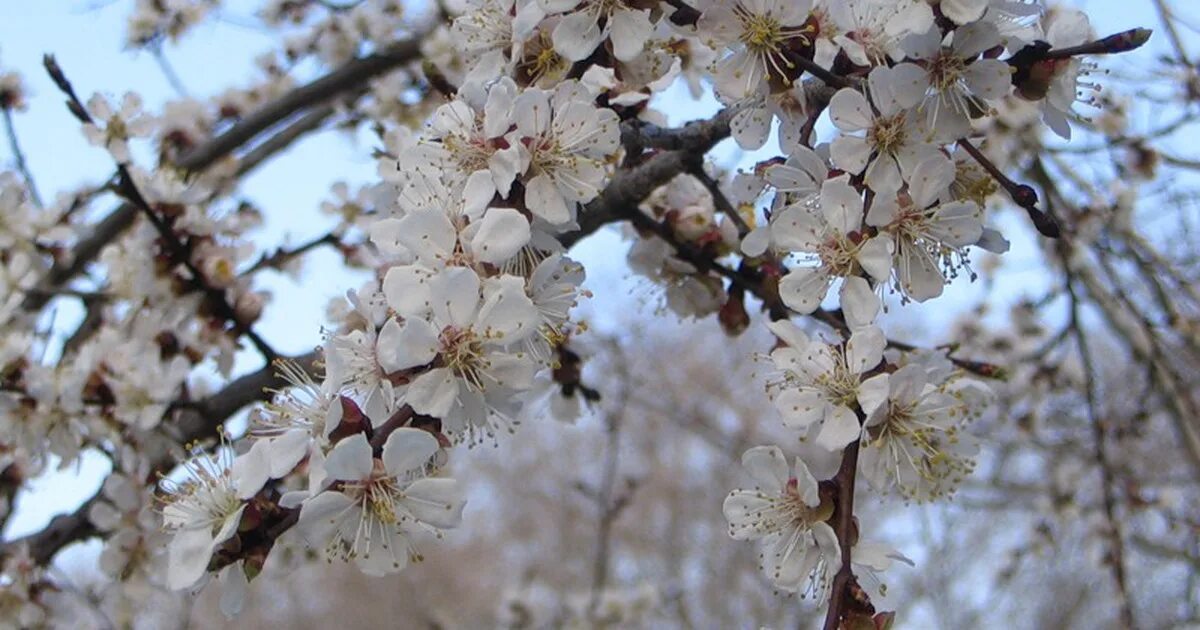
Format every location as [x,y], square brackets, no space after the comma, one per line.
[234,585]
[850,111]
[767,467]
[860,304]
[351,459]
[577,35]
[507,313]
[455,292]
[408,449]
[251,470]
[840,429]
[875,256]
[801,409]
[433,393]
[750,127]
[803,288]
[499,235]
[850,153]
[436,501]
[406,289]
[288,449]
[407,345]
[544,199]
[873,394]
[629,31]
[188,554]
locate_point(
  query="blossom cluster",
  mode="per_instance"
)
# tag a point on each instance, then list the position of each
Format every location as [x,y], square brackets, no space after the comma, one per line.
[460,334]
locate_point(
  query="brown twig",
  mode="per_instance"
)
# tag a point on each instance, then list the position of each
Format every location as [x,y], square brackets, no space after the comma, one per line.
[844,527]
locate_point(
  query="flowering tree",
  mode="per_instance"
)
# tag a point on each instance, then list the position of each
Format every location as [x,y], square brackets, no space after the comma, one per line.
[506,132]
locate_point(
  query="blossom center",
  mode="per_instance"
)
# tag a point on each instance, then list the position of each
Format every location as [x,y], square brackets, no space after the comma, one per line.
[760,33]
[889,133]
[462,353]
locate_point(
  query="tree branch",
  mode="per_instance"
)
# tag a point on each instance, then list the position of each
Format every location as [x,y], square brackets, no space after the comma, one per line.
[196,421]
[344,79]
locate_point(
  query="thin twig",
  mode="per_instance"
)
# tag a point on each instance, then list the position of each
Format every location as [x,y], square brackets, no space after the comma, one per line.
[19,158]
[164,64]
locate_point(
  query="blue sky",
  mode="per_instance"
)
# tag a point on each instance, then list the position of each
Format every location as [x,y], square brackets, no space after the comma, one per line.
[86,37]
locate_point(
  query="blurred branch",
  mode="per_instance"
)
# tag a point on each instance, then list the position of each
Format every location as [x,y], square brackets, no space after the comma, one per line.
[195,421]
[19,157]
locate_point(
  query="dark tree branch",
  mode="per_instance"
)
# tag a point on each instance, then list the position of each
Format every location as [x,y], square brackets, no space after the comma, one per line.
[349,77]
[196,421]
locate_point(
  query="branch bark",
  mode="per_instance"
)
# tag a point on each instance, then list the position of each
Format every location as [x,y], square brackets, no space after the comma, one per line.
[194,422]
[350,76]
